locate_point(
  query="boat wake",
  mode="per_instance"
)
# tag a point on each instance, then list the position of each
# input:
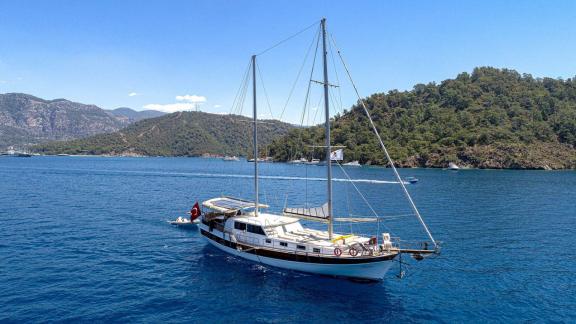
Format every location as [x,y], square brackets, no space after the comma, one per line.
[215,175]
[220,175]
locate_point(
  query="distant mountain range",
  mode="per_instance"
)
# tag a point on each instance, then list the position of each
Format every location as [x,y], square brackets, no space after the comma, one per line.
[176,134]
[26,119]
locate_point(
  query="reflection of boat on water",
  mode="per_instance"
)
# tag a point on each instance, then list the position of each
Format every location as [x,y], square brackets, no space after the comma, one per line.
[243,228]
[411,180]
[453,166]
[232,158]
[352,163]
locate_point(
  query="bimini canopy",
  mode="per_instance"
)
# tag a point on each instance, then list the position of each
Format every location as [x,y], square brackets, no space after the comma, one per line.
[229,204]
[319,214]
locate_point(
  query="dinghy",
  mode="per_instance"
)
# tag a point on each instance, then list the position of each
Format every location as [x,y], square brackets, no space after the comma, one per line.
[185,222]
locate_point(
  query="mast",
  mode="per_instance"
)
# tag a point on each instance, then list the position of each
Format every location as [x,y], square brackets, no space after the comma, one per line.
[327,131]
[255,134]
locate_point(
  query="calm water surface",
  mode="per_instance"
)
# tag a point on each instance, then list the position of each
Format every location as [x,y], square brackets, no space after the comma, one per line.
[86,239]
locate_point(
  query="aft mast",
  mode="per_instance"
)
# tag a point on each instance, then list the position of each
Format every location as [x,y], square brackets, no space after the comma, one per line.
[255,134]
[327,131]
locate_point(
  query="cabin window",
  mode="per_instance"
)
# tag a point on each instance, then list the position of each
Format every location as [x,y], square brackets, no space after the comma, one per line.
[316,250]
[255,229]
[300,247]
[240,226]
[268,241]
[283,244]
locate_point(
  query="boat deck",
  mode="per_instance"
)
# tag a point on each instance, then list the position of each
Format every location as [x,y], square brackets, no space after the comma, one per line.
[317,238]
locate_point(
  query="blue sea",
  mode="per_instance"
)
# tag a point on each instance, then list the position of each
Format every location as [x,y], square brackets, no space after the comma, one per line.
[86,239]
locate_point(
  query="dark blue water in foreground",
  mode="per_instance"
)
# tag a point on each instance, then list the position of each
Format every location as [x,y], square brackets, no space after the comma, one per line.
[86,239]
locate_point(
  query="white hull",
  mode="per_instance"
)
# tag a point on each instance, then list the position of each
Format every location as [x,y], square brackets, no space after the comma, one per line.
[368,271]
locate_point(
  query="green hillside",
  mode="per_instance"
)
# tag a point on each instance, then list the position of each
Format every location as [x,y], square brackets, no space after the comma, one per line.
[177,134]
[491,118]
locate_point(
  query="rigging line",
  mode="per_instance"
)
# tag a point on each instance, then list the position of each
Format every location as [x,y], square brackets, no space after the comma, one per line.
[317,39]
[310,82]
[265,92]
[306,98]
[348,202]
[236,107]
[240,87]
[413,205]
[358,190]
[245,90]
[244,93]
[333,100]
[287,39]
[331,50]
[318,108]
[238,98]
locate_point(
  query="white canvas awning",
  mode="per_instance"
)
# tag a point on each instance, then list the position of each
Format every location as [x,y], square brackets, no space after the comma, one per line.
[314,213]
[229,204]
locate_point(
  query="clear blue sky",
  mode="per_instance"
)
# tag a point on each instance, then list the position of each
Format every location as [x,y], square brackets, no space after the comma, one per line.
[101,51]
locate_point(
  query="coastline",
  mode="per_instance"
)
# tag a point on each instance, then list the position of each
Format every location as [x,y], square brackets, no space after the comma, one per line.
[463,167]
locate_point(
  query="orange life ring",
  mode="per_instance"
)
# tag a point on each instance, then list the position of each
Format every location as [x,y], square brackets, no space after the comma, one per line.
[353,252]
[337,252]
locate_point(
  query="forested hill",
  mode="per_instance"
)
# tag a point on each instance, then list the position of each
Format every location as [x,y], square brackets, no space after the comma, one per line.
[177,134]
[492,118]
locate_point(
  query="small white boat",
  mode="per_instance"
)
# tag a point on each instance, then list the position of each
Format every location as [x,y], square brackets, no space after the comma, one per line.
[453,166]
[411,180]
[185,222]
[352,163]
[264,160]
[313,161]
[232,158]
[298,161]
